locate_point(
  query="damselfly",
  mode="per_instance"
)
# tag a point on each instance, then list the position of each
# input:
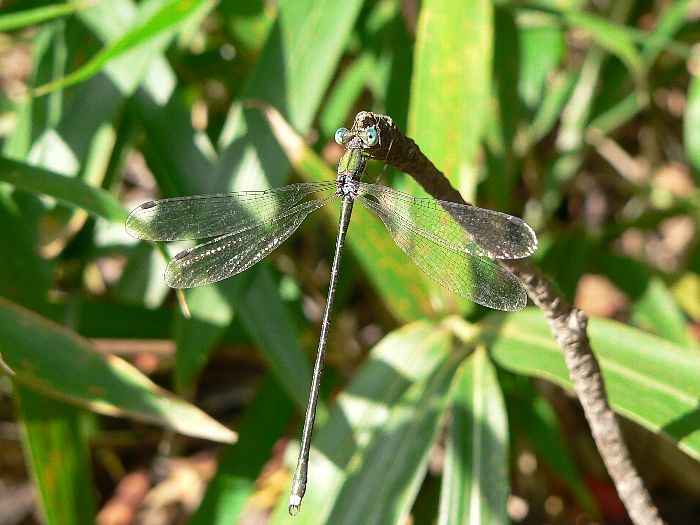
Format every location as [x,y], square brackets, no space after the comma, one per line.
[455,244]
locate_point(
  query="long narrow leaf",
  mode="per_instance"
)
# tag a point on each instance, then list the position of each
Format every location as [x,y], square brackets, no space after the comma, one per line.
[58,363]
[451,85]
[58,456]
[69,190]
[475,483]
[173,13]
[649,380]
[38,15]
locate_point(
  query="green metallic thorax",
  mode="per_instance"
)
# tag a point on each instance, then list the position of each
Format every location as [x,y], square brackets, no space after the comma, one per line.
[352,164]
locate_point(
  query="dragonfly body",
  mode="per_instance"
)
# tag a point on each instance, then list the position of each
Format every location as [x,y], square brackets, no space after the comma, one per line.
[455,244]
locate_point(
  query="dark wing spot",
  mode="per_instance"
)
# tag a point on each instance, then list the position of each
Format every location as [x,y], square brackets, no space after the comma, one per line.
[516,220]
[146,205]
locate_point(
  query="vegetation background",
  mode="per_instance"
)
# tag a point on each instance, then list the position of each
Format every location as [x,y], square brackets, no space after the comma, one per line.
[583,118]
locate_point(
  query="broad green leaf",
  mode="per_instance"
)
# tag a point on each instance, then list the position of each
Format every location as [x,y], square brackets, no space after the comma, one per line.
[37,15]
[369,458]
[505,113]
[110,22]
[475,482]
[58,363]
[390,82]
[68,190]
[240,464]
[691,123]
[648,379]
[451,86]
[58,456]
[656,310]
[171,15]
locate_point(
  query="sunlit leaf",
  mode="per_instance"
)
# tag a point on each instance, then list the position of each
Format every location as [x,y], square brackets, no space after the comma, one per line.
[59,457]
[37,15]
[172,13]
[648,379]
[475,484]
[58,363]
[451,86]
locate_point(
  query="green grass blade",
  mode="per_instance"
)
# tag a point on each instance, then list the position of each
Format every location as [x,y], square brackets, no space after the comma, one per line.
[69,190]
[451,86]
[58,456]
[58,363]
[649,380]
[691,123]
[171,15]
[475,483]
[657,310]
[12,21]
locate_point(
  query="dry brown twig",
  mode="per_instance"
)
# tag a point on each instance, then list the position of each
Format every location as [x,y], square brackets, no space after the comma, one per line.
[567,323]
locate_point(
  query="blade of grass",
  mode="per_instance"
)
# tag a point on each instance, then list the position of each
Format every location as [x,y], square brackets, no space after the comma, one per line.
[58,457]
[37,15]
[656,309]
[451,86]
[69,190]
[38,349]
[649,380]
[172,14]
[197,335]
[691,122]
[475,483]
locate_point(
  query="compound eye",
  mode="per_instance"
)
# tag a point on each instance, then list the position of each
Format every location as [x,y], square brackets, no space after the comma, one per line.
[340,134]
[372,137]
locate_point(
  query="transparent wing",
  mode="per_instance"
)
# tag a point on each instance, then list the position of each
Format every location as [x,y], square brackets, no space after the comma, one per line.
[461,227]
[232,253]
[477,278]
[202,216]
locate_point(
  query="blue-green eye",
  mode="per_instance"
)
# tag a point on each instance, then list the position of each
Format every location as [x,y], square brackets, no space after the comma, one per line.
[340,134]
[372,137]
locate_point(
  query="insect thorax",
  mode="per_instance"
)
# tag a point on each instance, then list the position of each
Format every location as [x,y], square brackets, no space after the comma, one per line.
[350,169]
